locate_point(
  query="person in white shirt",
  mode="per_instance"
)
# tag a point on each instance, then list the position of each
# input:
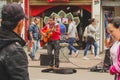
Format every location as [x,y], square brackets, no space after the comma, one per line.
[90,38]
[72,36]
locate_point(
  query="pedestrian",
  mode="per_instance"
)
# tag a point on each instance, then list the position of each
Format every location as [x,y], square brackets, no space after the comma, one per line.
[53,39]
[92,29]
[114,29]
[34,36]
[13,59]
[72,36]
[108,41]
[29,40]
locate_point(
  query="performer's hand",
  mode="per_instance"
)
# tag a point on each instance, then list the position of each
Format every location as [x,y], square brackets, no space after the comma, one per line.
[111,73]
[53,29]
[32,40]
[67,36]
[111,70]
[44,34]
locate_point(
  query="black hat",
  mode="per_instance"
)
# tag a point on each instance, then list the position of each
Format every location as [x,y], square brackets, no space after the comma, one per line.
[12,13]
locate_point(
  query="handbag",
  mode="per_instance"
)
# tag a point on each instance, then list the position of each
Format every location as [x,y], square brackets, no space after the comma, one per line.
[90,40]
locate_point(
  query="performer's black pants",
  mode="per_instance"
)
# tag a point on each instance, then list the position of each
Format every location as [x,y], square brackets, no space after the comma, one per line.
[53,45]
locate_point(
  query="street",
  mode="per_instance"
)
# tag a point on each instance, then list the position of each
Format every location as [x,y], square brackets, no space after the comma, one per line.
[82,74]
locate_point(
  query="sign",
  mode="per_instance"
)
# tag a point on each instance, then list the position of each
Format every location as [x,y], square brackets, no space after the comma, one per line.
[96,2]
[58,0]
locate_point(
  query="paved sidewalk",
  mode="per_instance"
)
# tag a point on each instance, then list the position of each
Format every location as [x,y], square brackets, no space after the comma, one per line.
[71,61]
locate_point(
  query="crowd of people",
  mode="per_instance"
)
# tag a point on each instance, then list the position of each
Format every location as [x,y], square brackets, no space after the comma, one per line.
[51,35]
[13,59]
[71,36]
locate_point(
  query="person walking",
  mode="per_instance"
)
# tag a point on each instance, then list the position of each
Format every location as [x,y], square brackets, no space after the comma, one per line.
[53,39]
[114,30]
[72,36]
[92,29]
[13,58]
[35,36]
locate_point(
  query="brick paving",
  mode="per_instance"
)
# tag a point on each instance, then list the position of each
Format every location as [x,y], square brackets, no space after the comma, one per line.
[70,61]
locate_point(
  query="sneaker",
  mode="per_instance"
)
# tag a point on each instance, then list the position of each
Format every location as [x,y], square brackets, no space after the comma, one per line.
[31,56]
[85,58]
[50,68]
[76,53]
[97,57]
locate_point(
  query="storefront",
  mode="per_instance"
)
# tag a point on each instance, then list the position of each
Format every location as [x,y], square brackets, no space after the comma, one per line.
[109,9]
[21,2]
[3,2]
[62,9]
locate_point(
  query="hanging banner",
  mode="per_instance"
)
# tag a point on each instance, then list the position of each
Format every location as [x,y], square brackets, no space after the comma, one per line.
[26,9]
[58,0]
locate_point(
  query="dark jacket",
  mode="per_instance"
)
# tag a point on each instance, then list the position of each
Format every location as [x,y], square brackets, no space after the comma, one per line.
[13,59]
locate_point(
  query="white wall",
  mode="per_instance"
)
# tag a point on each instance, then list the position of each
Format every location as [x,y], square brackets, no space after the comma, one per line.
[96,13]
[2,2]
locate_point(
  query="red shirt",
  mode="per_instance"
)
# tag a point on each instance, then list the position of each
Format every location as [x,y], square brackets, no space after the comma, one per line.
[55,35]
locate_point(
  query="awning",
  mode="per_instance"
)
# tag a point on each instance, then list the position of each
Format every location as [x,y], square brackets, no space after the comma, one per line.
[58,0]
[36,10]
[110,3]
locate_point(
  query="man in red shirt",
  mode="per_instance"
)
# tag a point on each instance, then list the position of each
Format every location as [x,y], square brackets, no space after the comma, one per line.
[51,31]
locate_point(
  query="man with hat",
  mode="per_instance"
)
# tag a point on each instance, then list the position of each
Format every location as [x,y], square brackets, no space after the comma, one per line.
[13,59]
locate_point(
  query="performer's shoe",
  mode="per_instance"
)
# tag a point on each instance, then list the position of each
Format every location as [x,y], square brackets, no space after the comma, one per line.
[47,70]
[56,68]
[50,67]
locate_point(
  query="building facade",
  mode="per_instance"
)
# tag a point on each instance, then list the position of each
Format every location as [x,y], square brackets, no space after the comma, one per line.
[88,8]
[109,9]
[22,2]
[98,9]
[62,9]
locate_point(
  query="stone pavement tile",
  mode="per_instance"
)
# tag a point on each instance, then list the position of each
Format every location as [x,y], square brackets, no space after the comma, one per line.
[74,62]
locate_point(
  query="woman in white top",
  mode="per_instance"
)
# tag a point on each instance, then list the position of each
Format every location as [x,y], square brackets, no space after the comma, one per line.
[72,36]
[90,38]
[114,29]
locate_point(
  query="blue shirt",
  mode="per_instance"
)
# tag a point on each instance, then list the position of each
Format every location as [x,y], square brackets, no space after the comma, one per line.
[35,31]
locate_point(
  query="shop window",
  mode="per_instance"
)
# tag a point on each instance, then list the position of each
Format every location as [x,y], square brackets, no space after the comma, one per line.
[58,0]
[9,1]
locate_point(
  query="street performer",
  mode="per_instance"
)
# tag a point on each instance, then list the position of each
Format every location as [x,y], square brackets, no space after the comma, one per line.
[51,35]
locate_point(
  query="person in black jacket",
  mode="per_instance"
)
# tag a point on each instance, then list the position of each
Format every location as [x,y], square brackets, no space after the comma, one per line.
[13,59]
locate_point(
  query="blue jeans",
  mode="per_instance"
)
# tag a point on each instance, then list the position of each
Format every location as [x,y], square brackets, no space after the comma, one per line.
[34,47]
[88,46]
[70,46]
